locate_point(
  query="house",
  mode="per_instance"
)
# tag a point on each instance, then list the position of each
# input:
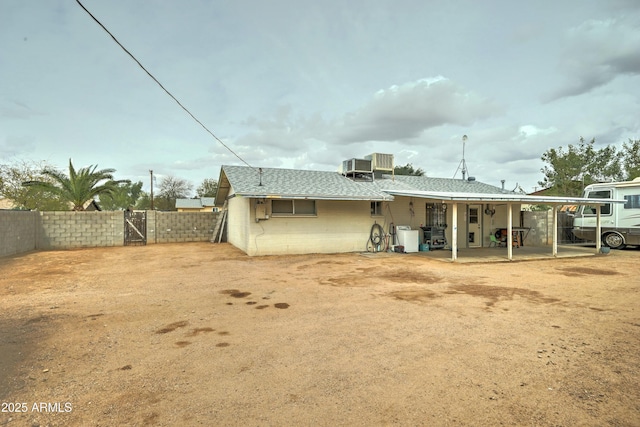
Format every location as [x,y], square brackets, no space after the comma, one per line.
[92,205]
[285,211]
[203,204]
[6,204]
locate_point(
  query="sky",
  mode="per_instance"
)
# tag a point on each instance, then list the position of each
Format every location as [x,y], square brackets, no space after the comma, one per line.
[308,84]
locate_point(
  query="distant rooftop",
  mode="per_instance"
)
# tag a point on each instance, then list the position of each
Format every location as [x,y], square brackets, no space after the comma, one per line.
[200,203]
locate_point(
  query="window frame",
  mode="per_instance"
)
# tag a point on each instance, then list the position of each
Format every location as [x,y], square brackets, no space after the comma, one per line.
[376,208]
[292,212]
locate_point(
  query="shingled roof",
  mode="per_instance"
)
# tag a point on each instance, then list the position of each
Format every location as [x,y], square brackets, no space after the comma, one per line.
[425,183]
[199,203]
[293,183]
[296,183]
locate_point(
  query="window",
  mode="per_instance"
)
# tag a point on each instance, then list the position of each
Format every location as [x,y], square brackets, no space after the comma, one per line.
[304,207]
[632,202]
[436,215]
[282,207]
[376,208]
[293,207]
[473,216]
[604,209]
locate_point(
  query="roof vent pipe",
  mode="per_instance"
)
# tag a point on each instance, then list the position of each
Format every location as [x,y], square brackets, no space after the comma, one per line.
[502,181]
[260,173]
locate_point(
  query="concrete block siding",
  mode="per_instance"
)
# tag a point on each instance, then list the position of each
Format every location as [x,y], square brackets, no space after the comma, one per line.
[22,231]
[171,227]
[17,232]
[65,230]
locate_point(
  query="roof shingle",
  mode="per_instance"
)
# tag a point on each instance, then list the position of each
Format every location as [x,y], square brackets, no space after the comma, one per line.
[295,183]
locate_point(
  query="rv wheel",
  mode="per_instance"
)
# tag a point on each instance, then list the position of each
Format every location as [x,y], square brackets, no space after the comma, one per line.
[614,240]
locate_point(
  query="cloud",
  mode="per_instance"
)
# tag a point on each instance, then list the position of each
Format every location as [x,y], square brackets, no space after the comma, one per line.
[14,146]
[282,131]
[596,52]
[405,111]
[17,110]
[389,121]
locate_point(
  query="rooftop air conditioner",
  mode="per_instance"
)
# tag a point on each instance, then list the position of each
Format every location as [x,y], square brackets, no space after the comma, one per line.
[381,162]
[356,166]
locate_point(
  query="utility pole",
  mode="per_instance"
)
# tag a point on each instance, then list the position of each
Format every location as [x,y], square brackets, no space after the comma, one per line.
[151,172]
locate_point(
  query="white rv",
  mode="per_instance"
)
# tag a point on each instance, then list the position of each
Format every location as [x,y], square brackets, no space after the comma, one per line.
[620,223]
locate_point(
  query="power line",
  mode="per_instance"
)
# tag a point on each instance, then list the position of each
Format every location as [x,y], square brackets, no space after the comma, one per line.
[163,88]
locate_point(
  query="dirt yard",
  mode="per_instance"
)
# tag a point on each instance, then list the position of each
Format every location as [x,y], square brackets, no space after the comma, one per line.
[200,334]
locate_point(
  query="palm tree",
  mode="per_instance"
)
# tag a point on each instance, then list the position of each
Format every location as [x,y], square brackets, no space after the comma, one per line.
[80,186]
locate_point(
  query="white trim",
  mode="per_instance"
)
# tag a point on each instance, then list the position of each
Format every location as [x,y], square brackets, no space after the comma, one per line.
[506,197]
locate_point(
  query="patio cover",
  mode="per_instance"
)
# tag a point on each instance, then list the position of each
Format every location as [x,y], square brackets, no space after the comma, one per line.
[510,199]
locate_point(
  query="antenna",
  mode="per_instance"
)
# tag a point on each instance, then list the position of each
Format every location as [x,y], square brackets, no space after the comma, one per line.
[463,163]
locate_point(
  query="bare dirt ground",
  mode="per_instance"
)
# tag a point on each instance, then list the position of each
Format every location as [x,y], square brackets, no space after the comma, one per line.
[200,334]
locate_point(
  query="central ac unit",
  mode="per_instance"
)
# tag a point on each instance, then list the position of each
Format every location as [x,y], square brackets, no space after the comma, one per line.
[356,166]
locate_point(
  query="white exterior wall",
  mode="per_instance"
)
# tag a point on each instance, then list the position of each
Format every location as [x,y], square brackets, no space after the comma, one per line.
[238,217]
[403,213]
[339,226]
[499,220]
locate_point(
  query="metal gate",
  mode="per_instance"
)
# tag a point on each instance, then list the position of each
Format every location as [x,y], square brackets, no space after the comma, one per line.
[135,228]
[565,229]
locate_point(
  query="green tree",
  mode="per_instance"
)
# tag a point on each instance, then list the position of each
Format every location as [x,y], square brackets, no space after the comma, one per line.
[79,186]
[408,169]
[144,201]
[631,159]
[208,188]
[124,196]
[12,177]
[568,172]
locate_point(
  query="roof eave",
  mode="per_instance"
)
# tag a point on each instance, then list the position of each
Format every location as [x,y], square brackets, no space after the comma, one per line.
[509,197]
[252,195]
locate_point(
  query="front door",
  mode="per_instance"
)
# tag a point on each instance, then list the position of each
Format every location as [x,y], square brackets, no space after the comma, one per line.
[474,226]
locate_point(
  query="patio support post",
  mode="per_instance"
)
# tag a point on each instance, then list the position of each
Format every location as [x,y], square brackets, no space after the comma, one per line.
[598,229]
[454,232]
[509,231]
[554,243]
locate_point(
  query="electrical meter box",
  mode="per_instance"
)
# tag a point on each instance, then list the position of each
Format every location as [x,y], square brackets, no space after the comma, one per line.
[261,211]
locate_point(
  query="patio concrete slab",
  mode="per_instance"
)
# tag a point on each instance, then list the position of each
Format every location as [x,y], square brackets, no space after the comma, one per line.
[523,253]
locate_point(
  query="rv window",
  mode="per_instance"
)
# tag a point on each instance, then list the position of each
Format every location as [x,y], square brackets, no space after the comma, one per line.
[604,209]
[632,202]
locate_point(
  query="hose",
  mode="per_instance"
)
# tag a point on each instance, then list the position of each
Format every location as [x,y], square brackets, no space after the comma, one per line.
[376,237]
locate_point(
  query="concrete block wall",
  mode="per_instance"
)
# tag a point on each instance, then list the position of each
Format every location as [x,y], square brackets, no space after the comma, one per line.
[17,232]
[151,227]
[65,230]
[23,231]
[172,227]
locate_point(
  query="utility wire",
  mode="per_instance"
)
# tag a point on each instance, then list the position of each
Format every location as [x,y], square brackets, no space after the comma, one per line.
[163,88]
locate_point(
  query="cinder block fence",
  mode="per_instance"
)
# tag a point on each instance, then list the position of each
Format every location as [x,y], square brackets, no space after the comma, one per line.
[22,231]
